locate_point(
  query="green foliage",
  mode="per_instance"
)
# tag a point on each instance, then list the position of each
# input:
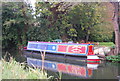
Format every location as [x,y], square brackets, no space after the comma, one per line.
[75,22]
[41,34]
[102,32]
[54,20]
[54,24]
[15,70]
[113,58]
[83,18]
[14,23]
[72,32]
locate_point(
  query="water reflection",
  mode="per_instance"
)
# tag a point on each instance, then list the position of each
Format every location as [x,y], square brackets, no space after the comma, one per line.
[85,70]
[74,67]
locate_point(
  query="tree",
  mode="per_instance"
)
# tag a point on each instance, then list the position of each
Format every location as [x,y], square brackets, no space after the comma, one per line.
[16,20]
[69,18]
[116,27]
[55,17]
[104,32]
[84,17]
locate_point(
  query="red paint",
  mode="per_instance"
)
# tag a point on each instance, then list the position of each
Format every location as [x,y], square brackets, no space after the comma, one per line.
[86,43]
[62,48]
[90,72]
[61,67]
[93,59]
[90,50]
[69,48]
[77,70]
[77,49]
[25,47]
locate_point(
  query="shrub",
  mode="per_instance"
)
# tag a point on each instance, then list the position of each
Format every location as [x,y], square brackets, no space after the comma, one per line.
[113,58]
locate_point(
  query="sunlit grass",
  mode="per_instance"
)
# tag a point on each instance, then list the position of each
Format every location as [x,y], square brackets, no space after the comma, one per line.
[109,44]
[16,70]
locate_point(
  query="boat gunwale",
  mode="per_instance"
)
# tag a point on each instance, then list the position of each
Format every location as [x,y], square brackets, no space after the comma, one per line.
[62,43]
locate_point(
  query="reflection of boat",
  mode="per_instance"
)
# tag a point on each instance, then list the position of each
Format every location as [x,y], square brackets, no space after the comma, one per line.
[72,69]
[64,48]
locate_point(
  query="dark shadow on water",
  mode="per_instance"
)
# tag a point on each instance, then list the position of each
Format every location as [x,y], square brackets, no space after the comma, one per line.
[16,54]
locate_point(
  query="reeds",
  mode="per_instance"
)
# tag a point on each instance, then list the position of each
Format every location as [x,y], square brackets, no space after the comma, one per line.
[16,70]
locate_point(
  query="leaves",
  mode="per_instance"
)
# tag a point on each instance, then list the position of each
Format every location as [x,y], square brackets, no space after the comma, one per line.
[113,58]
[14,23]
[56,20]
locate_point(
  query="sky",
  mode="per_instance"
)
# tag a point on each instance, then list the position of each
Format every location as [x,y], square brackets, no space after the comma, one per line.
[33,2]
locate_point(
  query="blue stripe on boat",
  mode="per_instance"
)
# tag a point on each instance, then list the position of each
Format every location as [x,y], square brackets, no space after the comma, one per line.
[53,47]
[42,46]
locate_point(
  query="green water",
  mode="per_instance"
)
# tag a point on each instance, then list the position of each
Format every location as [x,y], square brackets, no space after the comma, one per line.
[104,70]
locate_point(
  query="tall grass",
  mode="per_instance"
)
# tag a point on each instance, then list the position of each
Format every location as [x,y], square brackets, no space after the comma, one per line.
[16,70]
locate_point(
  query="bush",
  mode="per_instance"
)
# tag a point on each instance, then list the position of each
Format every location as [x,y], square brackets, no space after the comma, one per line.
[113,58]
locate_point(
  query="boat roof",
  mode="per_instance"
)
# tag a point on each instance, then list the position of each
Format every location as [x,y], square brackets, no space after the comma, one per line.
[61,43]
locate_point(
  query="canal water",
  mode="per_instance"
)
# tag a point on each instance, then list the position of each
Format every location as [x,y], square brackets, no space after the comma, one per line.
[69,67]
[104,71]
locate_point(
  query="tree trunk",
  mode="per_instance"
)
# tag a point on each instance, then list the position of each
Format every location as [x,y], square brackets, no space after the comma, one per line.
[116,28]
[26,26]
[64,38]
[87,37]
[88,34]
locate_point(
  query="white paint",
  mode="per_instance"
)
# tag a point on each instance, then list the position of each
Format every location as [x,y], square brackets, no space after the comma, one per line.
[102,51]
[53,65]
[92,57]
[76,49]
[92,66]
[53,47]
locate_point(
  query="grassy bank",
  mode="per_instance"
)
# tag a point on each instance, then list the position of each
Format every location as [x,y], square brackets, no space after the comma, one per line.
[112,58]
[110,44]
[15,70]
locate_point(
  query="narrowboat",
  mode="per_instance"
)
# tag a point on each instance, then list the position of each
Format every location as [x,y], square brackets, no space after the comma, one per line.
[73,49]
